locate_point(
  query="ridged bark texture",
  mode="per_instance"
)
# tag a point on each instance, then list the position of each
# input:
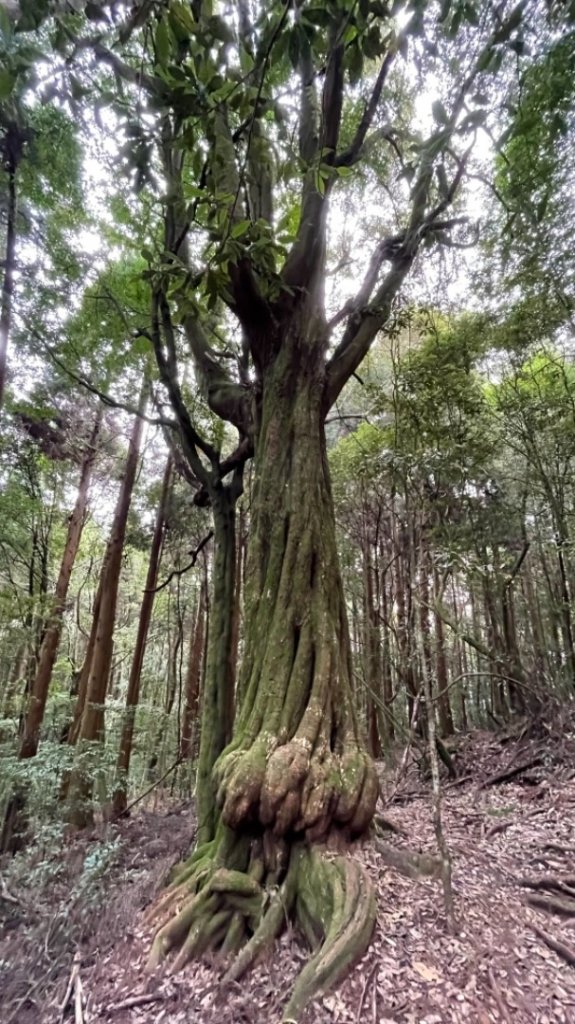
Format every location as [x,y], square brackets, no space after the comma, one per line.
[295,782]
[133,691]
[297,763]
[79,785]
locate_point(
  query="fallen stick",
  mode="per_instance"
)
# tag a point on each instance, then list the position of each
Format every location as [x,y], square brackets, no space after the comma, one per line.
[501,826]
[509,773]
[78,999]
[71,986]
[561,948]
[501,1005]
[368,980]
[141,1000]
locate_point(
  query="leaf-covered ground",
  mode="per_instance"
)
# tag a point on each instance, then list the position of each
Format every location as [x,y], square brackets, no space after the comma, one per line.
[498,967]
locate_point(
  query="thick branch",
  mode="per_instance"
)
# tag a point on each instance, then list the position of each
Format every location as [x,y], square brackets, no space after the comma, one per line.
[180,572]
[167,365]
[362,328]
[350,155]
[230,401]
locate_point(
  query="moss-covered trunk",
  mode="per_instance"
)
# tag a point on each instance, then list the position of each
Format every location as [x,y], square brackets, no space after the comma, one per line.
[217,704]
[297,763]
[295,778]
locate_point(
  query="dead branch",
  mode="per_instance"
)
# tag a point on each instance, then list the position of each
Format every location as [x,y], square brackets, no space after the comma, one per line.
[567,953]
[368,980]
[74,990]
[124,813]
[501,1005]
[141,1000]
[510,773]
[501,826]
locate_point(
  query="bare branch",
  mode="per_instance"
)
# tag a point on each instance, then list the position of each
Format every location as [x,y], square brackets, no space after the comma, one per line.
[353,152]
[180,572]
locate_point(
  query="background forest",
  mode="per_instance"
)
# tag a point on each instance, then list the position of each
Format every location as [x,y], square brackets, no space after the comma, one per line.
[287,454]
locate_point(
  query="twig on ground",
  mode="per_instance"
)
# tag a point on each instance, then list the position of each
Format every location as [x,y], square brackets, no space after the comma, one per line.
[141,1000]
[368,979]
[501,1006]
[72,989]
[78,999]
[501,826]
[510,773]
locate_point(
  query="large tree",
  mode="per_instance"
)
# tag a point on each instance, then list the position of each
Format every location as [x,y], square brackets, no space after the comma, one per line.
[257,118]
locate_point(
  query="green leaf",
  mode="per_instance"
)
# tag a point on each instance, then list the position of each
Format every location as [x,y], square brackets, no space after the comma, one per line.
[163,43]
[240,228]
[7,83]
[439,112]
[355,63]
[5,24]
[141,345]
[220,29]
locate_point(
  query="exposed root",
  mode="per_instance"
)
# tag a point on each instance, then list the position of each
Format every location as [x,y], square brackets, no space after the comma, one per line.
[348,925]
[240,911]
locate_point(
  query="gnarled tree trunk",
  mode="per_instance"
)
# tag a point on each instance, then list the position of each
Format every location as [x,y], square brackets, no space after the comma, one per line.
[296,776]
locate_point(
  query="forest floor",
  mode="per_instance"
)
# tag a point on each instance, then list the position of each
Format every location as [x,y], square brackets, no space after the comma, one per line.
[76,913]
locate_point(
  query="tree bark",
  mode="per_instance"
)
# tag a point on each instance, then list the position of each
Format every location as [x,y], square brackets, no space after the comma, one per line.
[8,278]
[296,773]
[193,678]
[49,648]
[80,784]
[217,712]
[119,801]
[443,701]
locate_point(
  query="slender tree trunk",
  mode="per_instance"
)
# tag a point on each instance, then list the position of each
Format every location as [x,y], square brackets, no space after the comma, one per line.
[193,678]
[133,692]
[80,683]
[443,701]
[371,647]
[80,783]
[49,648]
[389,722]
[566,618]
[7,293]
[237,611]
[218,692]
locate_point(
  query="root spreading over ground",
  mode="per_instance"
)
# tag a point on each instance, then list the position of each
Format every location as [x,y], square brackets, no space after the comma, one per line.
[241,911]
[510,841]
